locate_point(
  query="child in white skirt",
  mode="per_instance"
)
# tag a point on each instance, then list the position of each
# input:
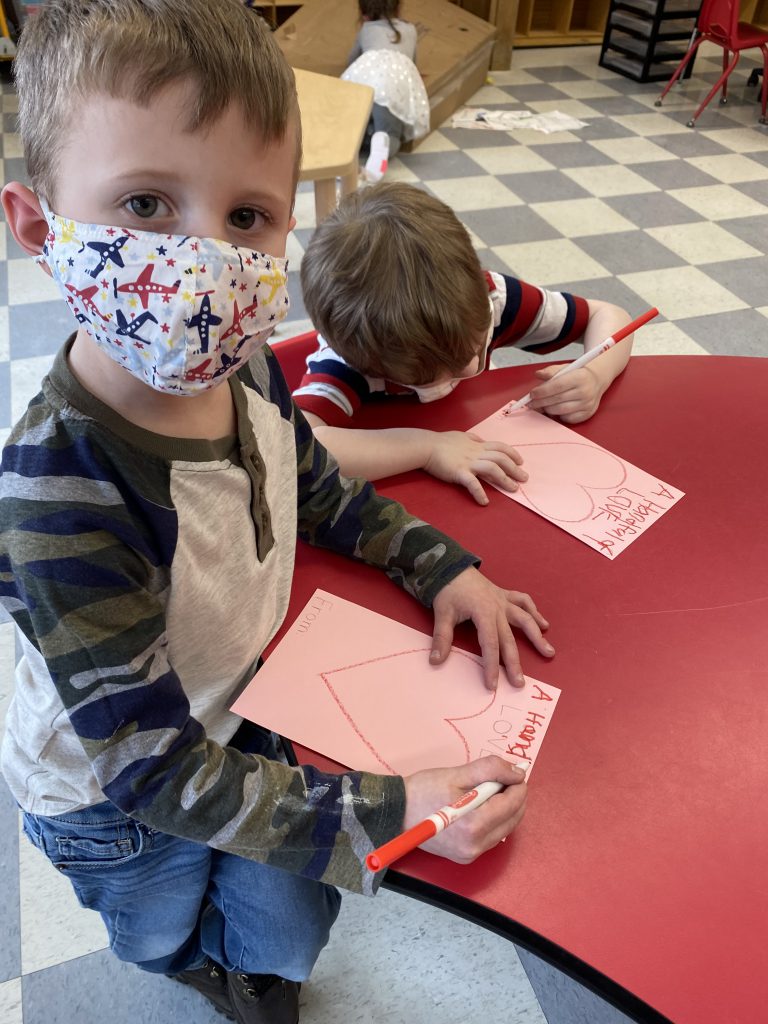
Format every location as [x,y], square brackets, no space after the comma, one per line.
[384,57]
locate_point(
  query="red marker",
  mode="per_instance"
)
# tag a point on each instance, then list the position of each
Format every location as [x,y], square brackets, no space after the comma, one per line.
[431,826]
[592,354]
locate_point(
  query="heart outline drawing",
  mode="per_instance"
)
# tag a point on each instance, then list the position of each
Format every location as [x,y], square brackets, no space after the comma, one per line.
[353,724]
[602,459]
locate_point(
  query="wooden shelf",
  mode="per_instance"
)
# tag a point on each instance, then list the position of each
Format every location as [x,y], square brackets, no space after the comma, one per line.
[561,22]
[756,12]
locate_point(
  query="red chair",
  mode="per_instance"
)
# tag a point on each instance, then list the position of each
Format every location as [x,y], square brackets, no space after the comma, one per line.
[292,356]
[719,23]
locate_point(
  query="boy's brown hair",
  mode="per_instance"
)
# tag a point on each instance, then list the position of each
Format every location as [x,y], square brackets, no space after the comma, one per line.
[392,282]
[133,49]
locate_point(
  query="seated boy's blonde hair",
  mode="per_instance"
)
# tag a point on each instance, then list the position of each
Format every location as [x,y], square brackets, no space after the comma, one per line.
[134,48]
[392,282]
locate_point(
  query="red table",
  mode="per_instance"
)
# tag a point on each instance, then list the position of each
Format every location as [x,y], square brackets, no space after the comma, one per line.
[640,866]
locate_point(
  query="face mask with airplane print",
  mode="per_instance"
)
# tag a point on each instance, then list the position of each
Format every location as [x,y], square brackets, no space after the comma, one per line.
[180,313]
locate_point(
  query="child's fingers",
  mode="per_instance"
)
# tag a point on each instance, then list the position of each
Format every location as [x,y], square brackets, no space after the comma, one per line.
[482,829]
[492,457]
[523,614]
[573,393]
[499,446]
[564,403]
[547,372]
[576,411]
[468,479]
[524,621]
[495,475]
[508,652]
[575,417]
[442,636]
[491,473]
[542,399]
[576,381]
[526,602]
[512,467]
[489,768]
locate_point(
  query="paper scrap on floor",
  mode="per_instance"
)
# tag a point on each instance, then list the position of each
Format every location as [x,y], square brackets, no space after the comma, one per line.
[358,687]
[509,120]
[594,495]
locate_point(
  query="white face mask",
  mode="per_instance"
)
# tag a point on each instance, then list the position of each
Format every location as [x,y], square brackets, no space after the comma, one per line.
[180,313]
[431,392]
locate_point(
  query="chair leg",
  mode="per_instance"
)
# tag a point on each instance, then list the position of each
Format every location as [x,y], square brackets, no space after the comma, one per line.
[715,87]
[679,70]
[764,94]
[726,58]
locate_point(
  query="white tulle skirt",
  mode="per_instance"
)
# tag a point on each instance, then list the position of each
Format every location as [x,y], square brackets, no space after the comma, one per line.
[397,85]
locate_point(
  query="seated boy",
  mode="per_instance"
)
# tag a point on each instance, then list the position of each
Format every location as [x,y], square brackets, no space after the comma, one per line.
[394,286]
[150,500]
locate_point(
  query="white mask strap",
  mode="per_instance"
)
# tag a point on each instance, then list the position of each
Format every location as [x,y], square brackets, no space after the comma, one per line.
[40,259]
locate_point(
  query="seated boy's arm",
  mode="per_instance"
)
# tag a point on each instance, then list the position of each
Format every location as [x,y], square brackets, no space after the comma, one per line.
[453,456]
[573,397]
[372,454]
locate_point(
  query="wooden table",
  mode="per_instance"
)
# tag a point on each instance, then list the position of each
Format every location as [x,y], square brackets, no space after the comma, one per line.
[640,866]
[334,116]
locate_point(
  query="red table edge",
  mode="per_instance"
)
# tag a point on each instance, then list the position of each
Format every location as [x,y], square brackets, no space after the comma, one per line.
[572,966]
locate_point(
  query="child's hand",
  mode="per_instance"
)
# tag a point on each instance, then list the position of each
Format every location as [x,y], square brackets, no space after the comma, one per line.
[482,828]
[494,611]
[573,397]
[467,459]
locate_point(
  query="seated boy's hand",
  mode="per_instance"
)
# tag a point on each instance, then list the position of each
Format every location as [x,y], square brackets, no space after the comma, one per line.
[573,397]
[494,611]
[466,459]
[482,828]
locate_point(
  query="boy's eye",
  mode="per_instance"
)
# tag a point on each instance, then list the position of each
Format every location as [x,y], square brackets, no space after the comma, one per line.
[144,206]
[245,218]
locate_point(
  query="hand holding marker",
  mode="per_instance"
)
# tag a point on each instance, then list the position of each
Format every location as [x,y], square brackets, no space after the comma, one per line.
[592,354]
[431,826]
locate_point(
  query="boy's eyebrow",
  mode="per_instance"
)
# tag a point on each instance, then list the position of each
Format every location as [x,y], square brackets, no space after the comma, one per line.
[147,174]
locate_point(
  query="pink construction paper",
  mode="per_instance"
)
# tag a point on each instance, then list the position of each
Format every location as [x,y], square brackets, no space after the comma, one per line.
[358,687]
[584,489]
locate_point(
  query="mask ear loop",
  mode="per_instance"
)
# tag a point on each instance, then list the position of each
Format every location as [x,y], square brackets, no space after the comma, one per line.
[41,259]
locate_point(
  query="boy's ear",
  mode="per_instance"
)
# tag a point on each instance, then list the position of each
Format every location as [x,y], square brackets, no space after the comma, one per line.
[292,223]
[25,217]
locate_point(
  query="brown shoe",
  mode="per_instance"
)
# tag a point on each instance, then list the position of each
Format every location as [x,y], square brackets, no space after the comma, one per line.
[263,998]
[209,980]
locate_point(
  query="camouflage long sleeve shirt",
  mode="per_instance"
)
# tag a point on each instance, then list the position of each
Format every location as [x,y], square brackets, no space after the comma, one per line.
[146,574]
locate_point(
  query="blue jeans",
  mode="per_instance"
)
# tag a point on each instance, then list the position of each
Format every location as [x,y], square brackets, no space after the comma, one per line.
[169,903]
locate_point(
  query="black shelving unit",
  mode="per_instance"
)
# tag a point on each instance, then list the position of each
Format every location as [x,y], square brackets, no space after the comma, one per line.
[646,39]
